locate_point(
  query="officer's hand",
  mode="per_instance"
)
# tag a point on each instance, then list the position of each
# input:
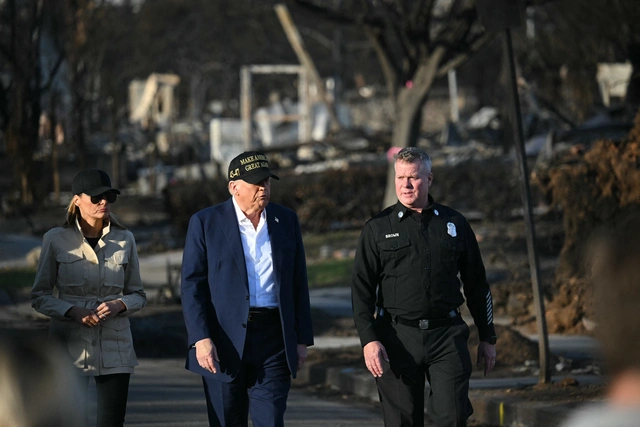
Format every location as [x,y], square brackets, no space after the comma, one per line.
[206,353]
[374,352]
[487,352]
[302,355]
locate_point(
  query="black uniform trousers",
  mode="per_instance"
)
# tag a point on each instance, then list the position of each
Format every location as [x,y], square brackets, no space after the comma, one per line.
[442,356]
[262,386]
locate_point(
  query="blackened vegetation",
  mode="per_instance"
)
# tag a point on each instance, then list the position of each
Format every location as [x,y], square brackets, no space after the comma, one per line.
[336,199]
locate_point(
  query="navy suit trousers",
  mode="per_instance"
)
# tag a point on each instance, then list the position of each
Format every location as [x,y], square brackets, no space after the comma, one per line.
[262,386]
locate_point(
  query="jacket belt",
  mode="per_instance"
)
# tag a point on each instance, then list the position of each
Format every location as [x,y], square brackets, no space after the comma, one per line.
[428,323]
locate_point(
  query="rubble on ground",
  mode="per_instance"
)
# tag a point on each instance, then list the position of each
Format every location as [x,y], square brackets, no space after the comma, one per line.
[592,188]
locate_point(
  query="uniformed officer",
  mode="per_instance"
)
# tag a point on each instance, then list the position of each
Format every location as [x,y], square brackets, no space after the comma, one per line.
[406,297]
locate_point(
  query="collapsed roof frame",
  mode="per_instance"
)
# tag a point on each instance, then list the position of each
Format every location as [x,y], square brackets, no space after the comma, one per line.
[246,109]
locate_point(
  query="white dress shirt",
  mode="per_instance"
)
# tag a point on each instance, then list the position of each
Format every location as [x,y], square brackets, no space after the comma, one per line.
[258,259]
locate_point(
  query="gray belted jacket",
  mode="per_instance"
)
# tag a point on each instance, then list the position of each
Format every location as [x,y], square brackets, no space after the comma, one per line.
[86,277]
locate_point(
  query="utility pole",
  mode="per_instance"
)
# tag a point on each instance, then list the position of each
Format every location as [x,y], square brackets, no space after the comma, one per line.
[245,107]
[502,15]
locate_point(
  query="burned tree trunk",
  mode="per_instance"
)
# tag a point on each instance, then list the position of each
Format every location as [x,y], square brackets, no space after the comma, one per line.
[409,102]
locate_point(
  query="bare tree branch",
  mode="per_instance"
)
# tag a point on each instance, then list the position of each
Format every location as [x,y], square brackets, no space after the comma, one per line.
[7,54]
[326,12]
[457,28]
[36,34]
[427,71]
[4,108]
[388,70]
[474,46]
[323,40]
[52,73]
[13,18]
[402,11]
[428,11]
[418,11]
[36,20]
[454,8]
[408,51]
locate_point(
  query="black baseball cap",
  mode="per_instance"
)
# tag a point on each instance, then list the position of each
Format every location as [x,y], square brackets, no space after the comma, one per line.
[250,166]
[92,182]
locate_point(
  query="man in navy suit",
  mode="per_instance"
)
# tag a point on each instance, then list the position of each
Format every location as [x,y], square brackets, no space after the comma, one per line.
[245,299]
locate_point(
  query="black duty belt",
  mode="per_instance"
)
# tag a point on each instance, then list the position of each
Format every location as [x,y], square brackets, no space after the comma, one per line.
[263,314]
[428,323]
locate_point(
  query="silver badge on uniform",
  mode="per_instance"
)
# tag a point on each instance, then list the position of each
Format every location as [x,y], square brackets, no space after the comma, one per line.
[451,229]
[435,211]
[400,214]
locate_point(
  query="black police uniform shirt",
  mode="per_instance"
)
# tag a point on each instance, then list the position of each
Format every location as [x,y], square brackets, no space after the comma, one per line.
[408,264]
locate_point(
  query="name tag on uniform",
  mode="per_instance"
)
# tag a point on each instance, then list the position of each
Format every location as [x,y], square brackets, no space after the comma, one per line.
[389,236]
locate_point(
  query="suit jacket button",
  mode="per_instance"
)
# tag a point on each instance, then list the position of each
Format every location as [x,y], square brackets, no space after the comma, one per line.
[244,325]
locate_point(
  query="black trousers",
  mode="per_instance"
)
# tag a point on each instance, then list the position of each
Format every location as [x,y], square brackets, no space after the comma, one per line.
[112,392]
[442,357]
[262,386]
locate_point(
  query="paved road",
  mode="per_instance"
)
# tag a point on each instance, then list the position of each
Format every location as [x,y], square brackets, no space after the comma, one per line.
[162,393]
[14,247]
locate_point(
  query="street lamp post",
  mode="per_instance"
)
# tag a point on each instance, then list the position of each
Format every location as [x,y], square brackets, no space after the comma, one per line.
[502,15]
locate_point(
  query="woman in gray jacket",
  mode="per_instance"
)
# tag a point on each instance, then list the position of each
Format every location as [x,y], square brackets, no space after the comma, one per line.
[93,263]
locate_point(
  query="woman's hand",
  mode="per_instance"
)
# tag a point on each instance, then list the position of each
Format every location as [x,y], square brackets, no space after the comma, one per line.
[84,316]
[109,309]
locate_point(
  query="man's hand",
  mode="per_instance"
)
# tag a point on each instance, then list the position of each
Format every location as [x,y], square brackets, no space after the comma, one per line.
[487,352]
[302,355]
[374,352]
[206,353]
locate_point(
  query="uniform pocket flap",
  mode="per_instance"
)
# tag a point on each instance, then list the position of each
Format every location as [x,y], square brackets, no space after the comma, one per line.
[394,244]
[69,257]
[451,250]
[453,245]
[116,323]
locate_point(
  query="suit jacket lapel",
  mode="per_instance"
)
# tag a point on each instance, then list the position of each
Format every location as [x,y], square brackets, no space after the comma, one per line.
[273,224]
[234,241]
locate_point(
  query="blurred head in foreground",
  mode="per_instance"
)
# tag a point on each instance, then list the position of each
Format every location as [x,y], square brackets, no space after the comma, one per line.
[615,261]
[36,390]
